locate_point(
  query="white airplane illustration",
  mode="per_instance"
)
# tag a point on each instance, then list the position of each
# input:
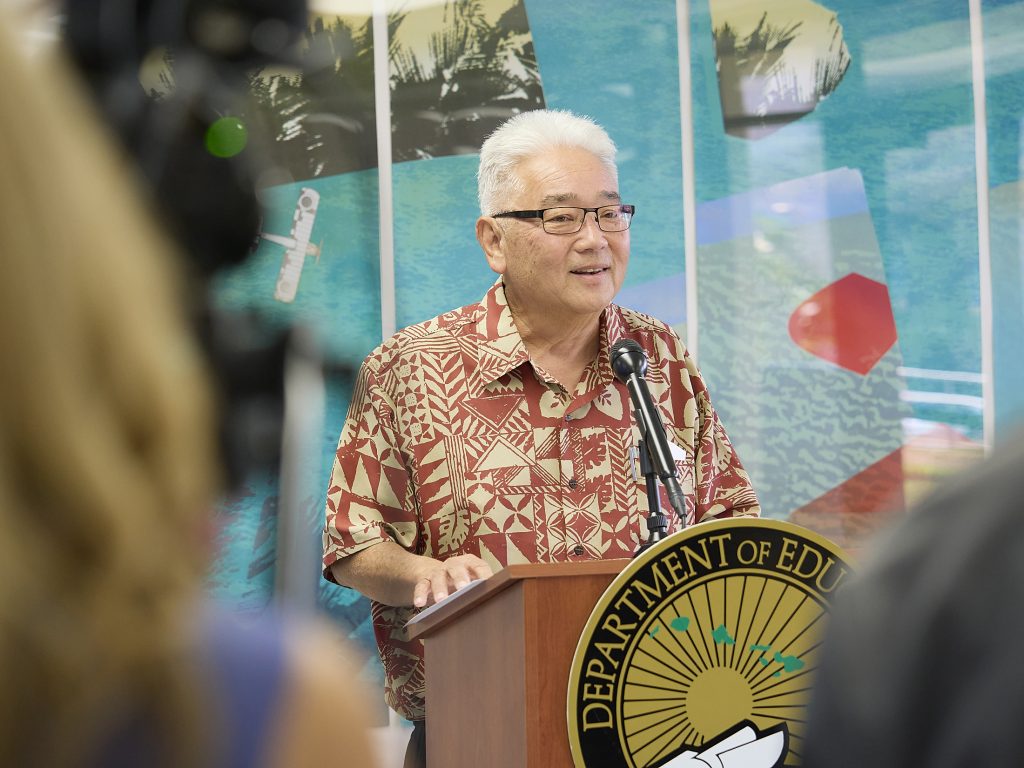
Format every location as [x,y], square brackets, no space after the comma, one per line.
[297,245]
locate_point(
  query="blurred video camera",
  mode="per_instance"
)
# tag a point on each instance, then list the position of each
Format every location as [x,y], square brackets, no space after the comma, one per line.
[165,74]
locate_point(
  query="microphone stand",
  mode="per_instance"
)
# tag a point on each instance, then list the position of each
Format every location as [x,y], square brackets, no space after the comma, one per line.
[657,523]
[629,364]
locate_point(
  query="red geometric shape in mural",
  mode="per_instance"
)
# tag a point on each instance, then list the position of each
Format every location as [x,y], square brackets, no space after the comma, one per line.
[848,323]
[854,510]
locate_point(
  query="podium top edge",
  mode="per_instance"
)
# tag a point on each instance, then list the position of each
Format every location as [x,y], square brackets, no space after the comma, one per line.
[505,578]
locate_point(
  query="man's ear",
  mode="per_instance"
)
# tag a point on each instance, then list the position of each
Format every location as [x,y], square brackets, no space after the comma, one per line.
[492,239]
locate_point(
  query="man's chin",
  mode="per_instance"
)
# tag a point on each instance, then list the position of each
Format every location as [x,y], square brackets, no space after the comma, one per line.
[592,307]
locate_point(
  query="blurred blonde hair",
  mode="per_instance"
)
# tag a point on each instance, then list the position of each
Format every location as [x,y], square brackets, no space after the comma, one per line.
[107,459]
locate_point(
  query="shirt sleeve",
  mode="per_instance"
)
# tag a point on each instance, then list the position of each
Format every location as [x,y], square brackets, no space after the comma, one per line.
[722,485]
[370,498]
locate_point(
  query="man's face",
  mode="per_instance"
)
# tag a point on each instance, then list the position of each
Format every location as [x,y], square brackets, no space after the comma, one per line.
[561,278]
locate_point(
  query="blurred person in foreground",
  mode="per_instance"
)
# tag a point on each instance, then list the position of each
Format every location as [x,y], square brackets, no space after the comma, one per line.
[497,433]
[922,658]
[109,655]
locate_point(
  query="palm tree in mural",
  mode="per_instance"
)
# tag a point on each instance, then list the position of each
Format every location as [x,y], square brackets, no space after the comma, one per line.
[760,88]
[829,69]
[476,75]
[321,118]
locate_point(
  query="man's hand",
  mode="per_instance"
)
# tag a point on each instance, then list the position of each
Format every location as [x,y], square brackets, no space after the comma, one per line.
[392,575]
[446,576]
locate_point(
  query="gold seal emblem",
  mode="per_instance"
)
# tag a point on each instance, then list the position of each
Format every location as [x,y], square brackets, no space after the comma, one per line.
[701,651]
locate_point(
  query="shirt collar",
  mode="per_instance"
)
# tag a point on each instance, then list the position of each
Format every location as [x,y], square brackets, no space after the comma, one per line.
[502,349]
[613,328]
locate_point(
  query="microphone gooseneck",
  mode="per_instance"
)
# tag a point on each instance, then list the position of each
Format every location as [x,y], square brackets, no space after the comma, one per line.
[629,364]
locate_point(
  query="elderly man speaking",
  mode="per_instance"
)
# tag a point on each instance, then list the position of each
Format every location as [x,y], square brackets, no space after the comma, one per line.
[497,433]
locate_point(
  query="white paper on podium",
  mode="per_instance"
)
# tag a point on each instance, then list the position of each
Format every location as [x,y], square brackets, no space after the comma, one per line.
[436,606]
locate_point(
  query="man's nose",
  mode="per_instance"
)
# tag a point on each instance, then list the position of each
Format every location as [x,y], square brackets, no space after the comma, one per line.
[590,226]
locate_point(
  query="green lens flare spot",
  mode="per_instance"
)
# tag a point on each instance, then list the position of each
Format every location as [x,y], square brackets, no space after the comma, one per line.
[226,137]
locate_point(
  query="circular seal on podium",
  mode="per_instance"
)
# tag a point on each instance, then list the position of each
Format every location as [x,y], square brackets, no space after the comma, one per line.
[701,651]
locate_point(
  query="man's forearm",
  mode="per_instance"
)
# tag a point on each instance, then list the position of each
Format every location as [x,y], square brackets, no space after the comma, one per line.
[384,572]
[392,575]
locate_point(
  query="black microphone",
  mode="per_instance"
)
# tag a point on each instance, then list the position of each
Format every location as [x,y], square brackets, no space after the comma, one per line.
[629,363]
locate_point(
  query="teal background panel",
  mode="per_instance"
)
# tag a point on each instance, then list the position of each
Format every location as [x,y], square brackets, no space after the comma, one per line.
[908,129]
[242,573]
[619,64]
[1003,23]
[339,300]
[339,294]
[438,263]
[800,424]
[1007,227]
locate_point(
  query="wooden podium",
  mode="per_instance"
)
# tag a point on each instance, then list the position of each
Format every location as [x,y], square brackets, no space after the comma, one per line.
[497,665]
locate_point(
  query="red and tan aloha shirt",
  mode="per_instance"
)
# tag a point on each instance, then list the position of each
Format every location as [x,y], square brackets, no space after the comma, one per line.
[456,443]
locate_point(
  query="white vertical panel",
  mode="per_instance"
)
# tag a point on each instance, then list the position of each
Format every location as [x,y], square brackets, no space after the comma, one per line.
[689,181]
[390,739]
[382,101]
[984,242]
[297,573]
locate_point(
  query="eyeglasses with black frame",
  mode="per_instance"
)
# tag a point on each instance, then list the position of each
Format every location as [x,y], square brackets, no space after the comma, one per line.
[567,220]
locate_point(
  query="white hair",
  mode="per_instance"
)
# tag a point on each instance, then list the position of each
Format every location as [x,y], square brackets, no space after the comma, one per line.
[528,134]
